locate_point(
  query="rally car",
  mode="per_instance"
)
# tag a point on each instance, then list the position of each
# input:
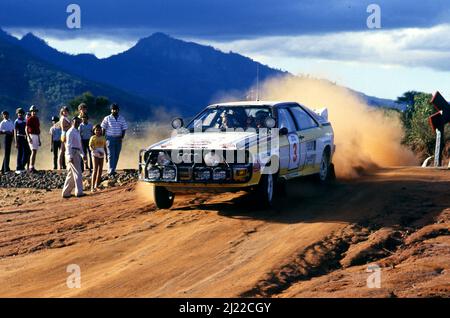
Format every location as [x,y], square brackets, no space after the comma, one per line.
[237,146]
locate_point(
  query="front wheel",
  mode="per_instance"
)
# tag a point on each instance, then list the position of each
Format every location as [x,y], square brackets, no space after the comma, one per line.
[163,197]
[265,191]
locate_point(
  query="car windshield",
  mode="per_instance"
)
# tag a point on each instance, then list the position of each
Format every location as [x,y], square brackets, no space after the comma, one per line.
[231,117]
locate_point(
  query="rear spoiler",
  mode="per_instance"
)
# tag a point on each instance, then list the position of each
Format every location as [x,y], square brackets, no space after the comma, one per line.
[323,112]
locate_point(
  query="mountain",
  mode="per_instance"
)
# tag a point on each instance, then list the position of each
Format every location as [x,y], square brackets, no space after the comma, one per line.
[169,71]
[380,102]
[26,79]
[158,70]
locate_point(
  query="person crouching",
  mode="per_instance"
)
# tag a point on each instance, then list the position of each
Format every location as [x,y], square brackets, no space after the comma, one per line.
[74,153]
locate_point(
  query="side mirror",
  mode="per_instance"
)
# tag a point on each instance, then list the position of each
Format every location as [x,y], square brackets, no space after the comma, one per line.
[284,131]
[177,123]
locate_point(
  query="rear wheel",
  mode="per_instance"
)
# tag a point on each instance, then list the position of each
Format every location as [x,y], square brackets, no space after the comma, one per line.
[163,197]
[326,172]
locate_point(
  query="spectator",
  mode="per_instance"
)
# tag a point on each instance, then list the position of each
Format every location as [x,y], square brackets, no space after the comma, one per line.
[74,153]
[55,141]
[97,145]
[7,129]
[20,136]
[27,146]
[114,127]
[33,134]
[82,110]
[65,126]
[86,134]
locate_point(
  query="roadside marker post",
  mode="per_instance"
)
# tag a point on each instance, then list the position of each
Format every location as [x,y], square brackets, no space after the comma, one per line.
[437,122]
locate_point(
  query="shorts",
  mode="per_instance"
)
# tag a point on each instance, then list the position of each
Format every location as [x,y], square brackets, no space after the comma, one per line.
[63,136]
[34,144]
[99,153]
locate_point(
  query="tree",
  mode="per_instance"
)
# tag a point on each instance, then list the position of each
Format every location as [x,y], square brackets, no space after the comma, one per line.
[97,105]
[418,134]
[407,99]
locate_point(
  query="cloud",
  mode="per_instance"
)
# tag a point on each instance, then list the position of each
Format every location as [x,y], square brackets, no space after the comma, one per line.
[231,19]
[414,47]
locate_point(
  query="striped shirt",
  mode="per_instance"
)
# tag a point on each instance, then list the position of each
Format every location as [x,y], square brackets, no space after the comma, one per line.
[113,126]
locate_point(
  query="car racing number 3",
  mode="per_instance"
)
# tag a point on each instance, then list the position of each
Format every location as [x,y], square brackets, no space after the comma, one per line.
[294,151]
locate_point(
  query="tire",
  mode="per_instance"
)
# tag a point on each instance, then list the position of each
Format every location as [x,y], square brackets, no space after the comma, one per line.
[265,193]
[163,197]
[326,172]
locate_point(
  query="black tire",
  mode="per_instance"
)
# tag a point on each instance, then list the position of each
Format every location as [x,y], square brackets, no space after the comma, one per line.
[163,197]
[326,172]
[265,193]
[332,174]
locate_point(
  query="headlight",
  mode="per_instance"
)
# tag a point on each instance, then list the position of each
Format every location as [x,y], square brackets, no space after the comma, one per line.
[153,173]
[219,174]
[240,174]
[213,159]
[202,174]
[169,173]
[163,159]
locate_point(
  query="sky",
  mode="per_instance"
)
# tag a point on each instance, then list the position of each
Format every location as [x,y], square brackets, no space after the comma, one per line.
[326,39]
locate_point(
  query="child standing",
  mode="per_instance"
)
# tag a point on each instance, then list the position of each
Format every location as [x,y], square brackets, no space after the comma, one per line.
[86,134]
[55,141]
[97,145]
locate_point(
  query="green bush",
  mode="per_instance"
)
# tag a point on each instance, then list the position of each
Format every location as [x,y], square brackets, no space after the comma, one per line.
[419,135]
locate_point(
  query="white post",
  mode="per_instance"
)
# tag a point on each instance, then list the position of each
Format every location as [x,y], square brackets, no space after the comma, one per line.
[437,149]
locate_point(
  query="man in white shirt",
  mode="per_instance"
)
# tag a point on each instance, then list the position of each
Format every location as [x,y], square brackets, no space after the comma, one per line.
[114,127]
[7,129]
[74,153]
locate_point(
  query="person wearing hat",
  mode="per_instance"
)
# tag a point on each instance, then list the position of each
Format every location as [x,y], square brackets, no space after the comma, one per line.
[7,129]
[55,141]
[33,136]
[20,139]
[114,127]
[74,153]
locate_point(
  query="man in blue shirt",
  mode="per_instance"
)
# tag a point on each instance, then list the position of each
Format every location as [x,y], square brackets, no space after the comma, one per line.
[86,134]
[23,149]
[114,127]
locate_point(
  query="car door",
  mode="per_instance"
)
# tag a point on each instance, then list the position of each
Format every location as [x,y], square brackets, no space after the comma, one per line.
[308,132]
[291,157]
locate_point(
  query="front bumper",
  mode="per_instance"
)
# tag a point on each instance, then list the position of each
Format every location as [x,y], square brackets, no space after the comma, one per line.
[191,176]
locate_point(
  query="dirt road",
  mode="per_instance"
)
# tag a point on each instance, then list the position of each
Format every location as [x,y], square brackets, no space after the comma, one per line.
[316,244]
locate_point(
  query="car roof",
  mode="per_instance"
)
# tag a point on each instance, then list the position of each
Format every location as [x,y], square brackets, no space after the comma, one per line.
[252,103]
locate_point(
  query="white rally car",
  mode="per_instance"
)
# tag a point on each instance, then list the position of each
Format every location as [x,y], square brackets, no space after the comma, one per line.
[240,146]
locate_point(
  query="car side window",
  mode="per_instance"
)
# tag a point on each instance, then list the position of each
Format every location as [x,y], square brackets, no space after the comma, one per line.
[303,119]
[285,120]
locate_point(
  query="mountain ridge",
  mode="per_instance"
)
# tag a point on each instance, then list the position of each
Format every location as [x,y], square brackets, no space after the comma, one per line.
[167,71]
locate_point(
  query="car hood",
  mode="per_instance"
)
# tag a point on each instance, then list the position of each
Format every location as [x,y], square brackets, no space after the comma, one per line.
[207,140]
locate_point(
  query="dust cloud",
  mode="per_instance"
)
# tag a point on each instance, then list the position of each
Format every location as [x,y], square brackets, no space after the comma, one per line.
[365,137]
